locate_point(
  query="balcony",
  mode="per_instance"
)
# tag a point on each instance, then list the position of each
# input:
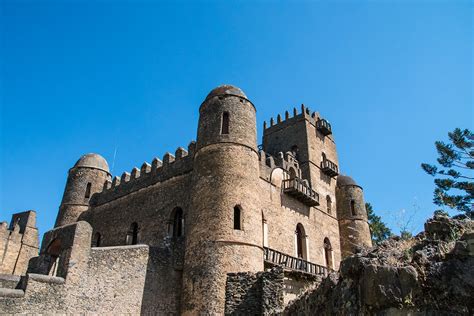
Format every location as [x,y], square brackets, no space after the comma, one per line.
[275,257]
[301,191]
[324,127]
[329,168]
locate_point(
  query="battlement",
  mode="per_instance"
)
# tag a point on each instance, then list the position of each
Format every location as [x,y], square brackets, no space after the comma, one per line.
[148,174]
[282,122]
[18,242]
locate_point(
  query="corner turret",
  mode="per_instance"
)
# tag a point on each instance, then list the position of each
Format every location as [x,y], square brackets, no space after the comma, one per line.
[352,215]
[224,232]
[87,177]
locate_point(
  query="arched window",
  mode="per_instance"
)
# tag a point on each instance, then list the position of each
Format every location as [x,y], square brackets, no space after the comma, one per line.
[225,123]
[132,234]
[353,211]
[323,157]
[328,253]
[96,240]
[328,204]
[237,218]
[88,190]
[301,251]
[177,223]
[292,173]
[54,250]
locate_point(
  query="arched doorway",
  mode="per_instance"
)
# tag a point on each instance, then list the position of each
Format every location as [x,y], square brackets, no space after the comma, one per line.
[301,250]
[328,253]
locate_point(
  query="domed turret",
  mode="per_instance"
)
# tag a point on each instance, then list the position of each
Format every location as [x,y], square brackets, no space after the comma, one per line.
[352,215]
[224,232]
[84,179]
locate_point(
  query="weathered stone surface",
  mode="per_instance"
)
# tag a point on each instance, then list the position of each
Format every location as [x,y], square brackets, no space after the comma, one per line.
[431,274]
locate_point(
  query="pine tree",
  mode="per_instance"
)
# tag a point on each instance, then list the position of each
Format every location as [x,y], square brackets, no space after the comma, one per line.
[378,230]
[454,175]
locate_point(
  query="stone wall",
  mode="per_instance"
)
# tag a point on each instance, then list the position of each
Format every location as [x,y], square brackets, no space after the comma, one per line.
[150,207]
[113,280]
[18,243]
[254,293]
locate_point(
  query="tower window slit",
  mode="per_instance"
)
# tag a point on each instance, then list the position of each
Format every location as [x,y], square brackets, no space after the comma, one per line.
[237,218]
[88,190]
[225,123]
[353,212]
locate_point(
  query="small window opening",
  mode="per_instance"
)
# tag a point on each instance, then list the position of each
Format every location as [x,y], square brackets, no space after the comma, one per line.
[328,204]
[178,223]
[97,240]
[225,123]
[353,212]
[237,218]
[88,190]
[132,235]
[323,157]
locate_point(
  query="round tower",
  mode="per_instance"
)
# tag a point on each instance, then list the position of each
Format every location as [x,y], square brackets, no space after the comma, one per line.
[224,224]
[84,179]
[352,215]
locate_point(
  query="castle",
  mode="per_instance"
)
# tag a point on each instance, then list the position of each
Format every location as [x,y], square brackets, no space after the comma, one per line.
[164,238]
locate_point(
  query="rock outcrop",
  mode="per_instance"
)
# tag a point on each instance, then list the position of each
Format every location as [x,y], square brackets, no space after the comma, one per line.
[430,274]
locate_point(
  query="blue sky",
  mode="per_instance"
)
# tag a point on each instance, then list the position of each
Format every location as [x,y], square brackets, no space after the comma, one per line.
[106,76]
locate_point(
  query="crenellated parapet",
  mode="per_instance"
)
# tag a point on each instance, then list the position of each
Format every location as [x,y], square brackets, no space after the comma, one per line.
[314,118]
[18,243]
[148,174]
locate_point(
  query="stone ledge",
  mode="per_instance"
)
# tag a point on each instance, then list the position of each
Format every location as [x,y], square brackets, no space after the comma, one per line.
[11,293]
[45,278]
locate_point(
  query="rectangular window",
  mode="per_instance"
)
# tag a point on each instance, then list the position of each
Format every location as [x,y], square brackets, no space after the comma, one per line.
[225,123]
[353,212]
[237,218]
[88,190]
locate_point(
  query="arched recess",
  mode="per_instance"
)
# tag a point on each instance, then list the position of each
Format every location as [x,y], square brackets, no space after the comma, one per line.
[97,240]
[176,222]
[328,253]
[301,242]
[132,234]
[54,251]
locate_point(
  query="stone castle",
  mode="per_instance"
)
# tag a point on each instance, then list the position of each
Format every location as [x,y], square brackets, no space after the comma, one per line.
[172,236]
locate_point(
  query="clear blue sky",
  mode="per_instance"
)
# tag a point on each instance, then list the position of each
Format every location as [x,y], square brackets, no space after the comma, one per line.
[95,76]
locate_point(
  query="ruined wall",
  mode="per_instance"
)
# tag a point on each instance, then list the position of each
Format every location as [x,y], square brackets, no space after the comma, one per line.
[254,293]
[115,280]
[18,243]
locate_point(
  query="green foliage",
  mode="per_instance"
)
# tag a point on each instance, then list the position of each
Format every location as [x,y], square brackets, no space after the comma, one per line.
[454,173]
[405,234]
[378,230]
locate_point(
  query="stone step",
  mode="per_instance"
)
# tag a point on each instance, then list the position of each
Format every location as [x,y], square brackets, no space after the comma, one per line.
[8,281]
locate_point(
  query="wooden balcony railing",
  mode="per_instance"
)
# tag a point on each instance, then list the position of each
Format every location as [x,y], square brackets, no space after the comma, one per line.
[301,191]
[329,168]
[324,127]
[275,257]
